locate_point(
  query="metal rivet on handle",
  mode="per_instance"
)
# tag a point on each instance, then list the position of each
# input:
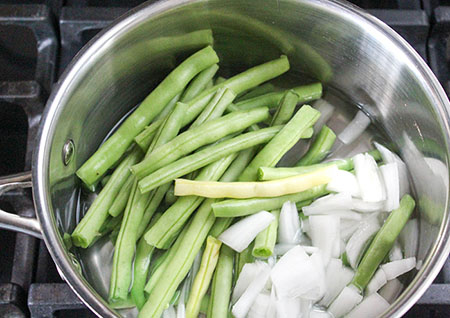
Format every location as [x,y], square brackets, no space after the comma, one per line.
[68,151]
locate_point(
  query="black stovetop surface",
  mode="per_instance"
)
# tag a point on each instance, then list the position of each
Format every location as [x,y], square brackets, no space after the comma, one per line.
[37,40]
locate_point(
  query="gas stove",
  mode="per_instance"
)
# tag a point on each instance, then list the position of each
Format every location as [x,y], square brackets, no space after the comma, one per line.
[38,38]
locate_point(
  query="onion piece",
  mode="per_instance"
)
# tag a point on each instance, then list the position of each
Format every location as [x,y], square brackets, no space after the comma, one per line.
[391,290]
[337,277]
[409,238]
[326,111]
[248,274]
[317,292]
[345,302]
[378,280]
[397,268]
[368,176]
[324,233]
[241,308]
[371,307]
[281,249]
[305,307]
[390,157]
[348,227]
[169,312]
[288,224]
[181,308]
[295,274]
[355,128]
[242,233]
[288,308]
[344,181]
[396,252]
[360,239]
[260,306]
[339,201]
[367,207]
[315,313]
[389,172]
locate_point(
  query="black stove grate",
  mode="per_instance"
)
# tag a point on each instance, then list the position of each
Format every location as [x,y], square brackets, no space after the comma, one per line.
[38,38]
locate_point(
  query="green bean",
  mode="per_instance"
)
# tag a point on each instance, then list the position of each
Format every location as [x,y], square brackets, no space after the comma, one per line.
[159,270]
[156,197]
[198,84]
[221,285]
[241,207]
[141,267]
[205,156]
[265,240]
[167,109]
[169,128]
[192,139]
[219,80]
[320,147]
[89,226]
[281,143]
[243,258]
[170,197]
[305,93]
[285,108]
[176,216]
[238,83]
[105,180]
[111,151]
[209,84]
[126,240]
[110,224]
[204,276]
[269,173]
[303,203]
[239,164]
[220,225]
[204,304]
[258,91]
[383,242]
[215,107]
[179,266]
[114,234]
[144,139]
[120,201]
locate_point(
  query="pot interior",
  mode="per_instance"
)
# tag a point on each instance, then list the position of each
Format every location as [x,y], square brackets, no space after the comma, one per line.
[360,65]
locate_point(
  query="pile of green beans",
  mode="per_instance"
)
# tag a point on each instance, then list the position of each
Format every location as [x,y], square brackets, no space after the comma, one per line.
[200,125]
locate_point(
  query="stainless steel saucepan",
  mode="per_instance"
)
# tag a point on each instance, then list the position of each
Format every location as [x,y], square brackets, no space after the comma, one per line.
[357,57]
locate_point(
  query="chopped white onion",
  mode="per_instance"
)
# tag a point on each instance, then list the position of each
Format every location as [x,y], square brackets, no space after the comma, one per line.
[355,128]
[241,308]
[281,249]
[288,224]
[242,233]
[181,308]
[367,207]
[317,292]
[260,306]
[315,313]
[397,268]
[390,157]
[337,277]
[345,302]
[359,240]
[344,181]
[391,290]
[272,310]
[324,233]
[169,312]
[288,308]
[371,307]
[378,280]
[326,111]
[310,249]
[409,238]
[248,274]
[368,176]
[305,307]
[331,202]
[348,227]
[389,172]
[295,274]
[396,252]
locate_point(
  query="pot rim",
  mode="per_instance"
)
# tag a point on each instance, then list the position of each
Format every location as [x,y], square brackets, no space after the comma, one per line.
[423,279]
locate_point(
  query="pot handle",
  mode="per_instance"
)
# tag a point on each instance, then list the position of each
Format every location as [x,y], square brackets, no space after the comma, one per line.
[14,222]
